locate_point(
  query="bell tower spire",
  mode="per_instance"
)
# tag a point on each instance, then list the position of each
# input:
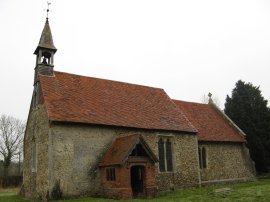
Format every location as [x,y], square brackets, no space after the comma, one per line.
[45,52]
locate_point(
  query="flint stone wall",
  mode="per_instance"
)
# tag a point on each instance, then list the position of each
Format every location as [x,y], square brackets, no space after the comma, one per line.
[185,161]
[35,184]
[70,154]
[77,149]
[227,162]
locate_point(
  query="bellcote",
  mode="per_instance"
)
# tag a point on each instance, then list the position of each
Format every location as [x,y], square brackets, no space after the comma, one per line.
[45,53]
[46,40]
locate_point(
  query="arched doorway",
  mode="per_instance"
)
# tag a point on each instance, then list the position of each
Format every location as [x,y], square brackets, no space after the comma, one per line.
[137,175]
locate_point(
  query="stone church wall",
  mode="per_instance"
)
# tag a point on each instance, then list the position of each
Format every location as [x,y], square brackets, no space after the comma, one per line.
[75,154]
[185,158]
[226,162]
[77,149]
[35,183]
[70,154]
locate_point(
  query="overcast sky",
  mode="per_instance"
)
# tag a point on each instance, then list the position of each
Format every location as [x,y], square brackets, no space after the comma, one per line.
[188,47]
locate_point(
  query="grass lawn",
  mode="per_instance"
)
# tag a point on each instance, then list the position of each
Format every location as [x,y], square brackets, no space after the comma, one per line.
[251,191]
[10,195]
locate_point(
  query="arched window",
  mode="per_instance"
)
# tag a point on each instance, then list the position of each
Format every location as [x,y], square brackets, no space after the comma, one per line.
[202,157]
[169,155]
[161,155]
[165,155]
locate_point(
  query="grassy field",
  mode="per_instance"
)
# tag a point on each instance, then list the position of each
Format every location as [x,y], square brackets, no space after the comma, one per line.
[10,195]
[251,191]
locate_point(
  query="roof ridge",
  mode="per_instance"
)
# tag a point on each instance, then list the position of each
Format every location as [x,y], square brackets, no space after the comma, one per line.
[121,82]
[189,102]
[112,103]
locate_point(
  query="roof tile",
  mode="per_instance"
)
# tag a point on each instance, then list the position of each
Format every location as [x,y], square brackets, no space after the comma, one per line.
[81,99]
[209,122]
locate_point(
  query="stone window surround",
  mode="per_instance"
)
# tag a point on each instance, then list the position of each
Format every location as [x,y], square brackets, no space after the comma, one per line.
[203,158]
[172,140]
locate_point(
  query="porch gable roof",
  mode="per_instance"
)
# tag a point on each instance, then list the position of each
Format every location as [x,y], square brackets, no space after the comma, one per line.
[121,149]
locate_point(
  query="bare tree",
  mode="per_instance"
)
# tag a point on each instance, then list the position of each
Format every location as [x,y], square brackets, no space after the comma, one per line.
[11,139]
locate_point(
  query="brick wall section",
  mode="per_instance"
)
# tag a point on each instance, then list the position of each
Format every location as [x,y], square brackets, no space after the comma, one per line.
[121,187]
[227,162]
[35,184]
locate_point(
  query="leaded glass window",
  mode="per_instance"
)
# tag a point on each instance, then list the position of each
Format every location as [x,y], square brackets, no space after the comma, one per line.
[165,153]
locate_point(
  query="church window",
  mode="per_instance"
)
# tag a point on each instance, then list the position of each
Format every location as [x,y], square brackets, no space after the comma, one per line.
[202,157]
[110,174]
[161,155]
[169,155]
[165,155]
[34,156]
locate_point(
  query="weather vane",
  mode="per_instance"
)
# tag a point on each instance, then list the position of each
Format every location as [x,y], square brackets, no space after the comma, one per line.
[48,8]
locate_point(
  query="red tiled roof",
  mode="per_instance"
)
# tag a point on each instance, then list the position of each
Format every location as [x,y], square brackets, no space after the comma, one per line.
[122,148]
[210,123]
[80,99]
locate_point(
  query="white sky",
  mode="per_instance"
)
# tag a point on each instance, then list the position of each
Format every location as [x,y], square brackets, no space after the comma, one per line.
[186,47]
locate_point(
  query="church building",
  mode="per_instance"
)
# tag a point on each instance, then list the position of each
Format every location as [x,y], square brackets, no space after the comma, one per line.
[89,136]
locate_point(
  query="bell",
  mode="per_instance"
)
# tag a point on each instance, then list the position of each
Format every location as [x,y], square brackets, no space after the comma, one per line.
[44,61]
